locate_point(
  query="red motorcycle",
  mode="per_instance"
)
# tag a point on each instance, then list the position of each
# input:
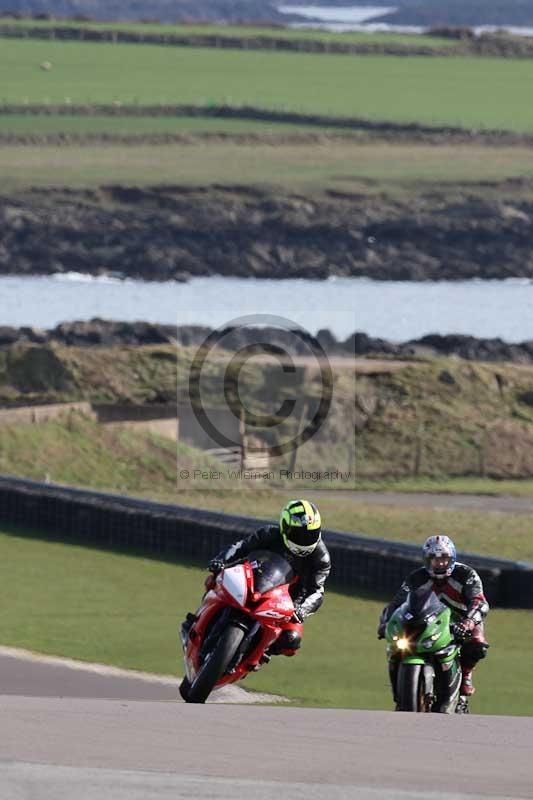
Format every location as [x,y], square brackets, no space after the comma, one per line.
[245,609]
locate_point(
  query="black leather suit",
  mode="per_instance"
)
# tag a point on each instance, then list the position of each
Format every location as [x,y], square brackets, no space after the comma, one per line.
[312,570]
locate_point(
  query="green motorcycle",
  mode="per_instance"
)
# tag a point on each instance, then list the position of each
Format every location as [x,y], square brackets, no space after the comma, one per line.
[424,658]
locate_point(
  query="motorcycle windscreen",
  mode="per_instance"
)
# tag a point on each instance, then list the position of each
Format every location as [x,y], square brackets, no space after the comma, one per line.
[234,582]
[421,607]
[270,570]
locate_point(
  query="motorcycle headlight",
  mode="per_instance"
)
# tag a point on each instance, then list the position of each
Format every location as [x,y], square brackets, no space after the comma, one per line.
[402,644]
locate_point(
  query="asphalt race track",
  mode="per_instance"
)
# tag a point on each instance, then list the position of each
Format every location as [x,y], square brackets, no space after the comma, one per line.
[112,737]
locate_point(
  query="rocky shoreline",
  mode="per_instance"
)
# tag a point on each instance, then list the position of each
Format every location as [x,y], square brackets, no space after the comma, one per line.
[166,11]
[175,233]
[107,333]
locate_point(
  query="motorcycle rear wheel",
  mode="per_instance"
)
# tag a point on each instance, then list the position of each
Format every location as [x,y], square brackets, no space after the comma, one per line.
[214,666]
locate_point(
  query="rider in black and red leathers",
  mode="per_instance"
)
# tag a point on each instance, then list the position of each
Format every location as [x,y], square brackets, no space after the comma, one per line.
[459,587]
[298,539]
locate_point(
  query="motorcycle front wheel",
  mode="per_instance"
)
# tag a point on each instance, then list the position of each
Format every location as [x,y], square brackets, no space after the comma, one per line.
[410,687]
[214,666]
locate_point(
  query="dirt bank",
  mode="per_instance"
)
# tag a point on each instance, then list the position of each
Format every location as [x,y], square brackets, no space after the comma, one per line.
[438,418]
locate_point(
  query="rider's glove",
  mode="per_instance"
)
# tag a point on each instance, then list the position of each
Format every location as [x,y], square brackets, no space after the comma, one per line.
[381,630]
[462,630]
[298,615]
[216,565]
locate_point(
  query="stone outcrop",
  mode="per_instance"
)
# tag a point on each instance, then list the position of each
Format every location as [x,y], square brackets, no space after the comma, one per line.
[174,233]
[107,333]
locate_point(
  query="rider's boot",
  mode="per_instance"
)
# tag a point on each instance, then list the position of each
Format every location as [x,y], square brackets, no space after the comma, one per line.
[186,626]
[467,687]
[265,658]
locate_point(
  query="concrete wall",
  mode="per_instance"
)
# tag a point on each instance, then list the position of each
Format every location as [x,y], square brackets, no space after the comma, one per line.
[158,418]
[37,414]
[168,428]
[162,419]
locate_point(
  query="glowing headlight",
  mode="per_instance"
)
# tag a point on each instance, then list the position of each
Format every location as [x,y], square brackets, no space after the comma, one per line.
[402,644]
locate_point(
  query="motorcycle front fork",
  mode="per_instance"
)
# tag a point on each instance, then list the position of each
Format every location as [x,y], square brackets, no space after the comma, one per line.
[393,678]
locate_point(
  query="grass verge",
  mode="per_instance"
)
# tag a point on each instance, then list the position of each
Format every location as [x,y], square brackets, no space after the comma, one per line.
[78,451]
[500,535]
[123,610]
[442,485]
[343,164]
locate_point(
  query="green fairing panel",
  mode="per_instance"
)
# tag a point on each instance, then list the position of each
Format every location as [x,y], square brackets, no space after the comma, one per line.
[425,622]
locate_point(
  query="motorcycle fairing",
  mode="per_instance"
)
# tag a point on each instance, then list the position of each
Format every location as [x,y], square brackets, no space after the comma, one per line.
[234,582]
[235,596]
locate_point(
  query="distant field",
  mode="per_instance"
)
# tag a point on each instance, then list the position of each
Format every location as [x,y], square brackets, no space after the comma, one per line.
[346,165]
[227,31]
[430,90]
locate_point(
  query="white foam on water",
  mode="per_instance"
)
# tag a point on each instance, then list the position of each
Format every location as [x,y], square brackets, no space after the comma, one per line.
[353,15]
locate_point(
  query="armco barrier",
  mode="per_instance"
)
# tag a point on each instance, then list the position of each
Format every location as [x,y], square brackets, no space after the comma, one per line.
[171,531]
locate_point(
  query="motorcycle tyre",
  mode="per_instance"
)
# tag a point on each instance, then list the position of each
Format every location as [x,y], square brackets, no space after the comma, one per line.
[214,666]
[184,687]
[462,706]
[409,691]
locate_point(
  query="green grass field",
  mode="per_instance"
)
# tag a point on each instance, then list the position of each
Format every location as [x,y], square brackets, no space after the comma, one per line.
[341,164]
[432,90]
[240,31]
[123,610]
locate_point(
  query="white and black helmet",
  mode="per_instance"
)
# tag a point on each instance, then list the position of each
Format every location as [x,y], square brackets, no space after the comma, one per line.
[440,556]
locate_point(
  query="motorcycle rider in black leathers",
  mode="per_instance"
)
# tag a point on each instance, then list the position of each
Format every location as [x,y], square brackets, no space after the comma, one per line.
[298,539]
[459,587]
